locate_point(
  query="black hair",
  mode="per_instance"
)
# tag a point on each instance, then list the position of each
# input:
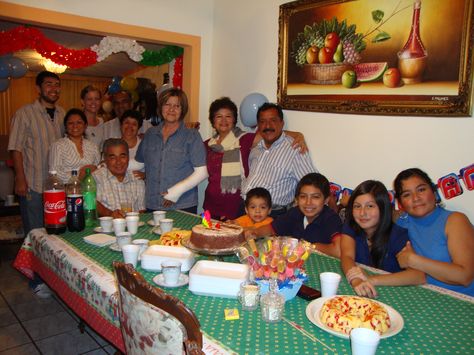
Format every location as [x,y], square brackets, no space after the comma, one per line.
[223,102]
[133,115]
[317,180]
[114,142]
[72,112]
[259,192]
[43,75]
[408,173]
[268,106]
[381,237]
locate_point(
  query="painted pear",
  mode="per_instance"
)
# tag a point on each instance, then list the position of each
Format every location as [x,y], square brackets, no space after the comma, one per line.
[338,57]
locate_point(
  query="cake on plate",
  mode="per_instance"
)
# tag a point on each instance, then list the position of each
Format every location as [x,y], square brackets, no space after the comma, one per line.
[344,313]
[219,236]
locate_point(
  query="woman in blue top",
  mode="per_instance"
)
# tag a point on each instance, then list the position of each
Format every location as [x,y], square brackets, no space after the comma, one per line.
[369,237]
[441,242]
[174,157]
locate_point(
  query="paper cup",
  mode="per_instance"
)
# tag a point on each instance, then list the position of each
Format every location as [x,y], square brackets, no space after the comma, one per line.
[142,243]
[119,225]
[130,254]
[166,225]
[329,283]
[364,341]
[123,239]
[171,270]
[132,224]
[158,216]
[106,224]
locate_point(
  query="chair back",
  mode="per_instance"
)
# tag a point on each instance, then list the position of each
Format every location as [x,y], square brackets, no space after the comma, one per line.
[152,321]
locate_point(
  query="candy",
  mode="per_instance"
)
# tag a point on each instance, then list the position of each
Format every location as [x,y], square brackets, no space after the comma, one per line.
[253,246]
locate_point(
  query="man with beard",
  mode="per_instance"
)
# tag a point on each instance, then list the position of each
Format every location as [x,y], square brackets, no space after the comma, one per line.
[34,127]
[274,164]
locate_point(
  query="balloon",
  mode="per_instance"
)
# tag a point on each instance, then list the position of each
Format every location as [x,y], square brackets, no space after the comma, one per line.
[19,68]
[113,88]
[5,68]
[134,95]
[4,84]
[128,83]
[116,79]
[107,106]
[249,107]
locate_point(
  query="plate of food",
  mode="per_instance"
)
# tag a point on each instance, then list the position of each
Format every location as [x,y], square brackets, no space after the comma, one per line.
[339,314]
[173,238]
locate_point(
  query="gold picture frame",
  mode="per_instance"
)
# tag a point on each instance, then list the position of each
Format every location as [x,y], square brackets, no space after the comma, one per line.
[377,32]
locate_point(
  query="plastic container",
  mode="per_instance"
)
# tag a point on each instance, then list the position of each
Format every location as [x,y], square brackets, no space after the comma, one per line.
[89,191]
[75,204]
[54,202]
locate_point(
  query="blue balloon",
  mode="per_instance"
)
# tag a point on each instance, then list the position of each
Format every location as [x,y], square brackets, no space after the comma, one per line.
[249,107]
[19,68]
[114,88]
[5,68]
[4,84]
[116,79]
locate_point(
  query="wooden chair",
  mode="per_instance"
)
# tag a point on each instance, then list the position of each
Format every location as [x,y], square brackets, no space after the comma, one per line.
[152,321]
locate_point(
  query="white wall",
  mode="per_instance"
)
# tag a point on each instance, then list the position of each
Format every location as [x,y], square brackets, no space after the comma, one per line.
[346,148]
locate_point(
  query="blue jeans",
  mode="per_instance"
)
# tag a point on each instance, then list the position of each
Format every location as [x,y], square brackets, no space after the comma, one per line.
[31,209]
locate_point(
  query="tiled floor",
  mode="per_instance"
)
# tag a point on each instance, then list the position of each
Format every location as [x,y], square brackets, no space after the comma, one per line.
[29,325]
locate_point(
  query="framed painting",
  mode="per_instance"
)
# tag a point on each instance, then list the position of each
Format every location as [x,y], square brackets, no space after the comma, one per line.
[393,57]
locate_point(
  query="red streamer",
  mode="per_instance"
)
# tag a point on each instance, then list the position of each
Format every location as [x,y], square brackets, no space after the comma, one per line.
[178,72]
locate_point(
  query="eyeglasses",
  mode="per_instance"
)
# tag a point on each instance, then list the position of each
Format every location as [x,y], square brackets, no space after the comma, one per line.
[174,106]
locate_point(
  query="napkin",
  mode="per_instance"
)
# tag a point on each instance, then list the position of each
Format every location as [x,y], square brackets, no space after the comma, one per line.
[100,239]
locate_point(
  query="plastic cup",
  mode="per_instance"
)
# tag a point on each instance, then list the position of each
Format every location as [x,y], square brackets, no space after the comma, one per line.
[158,216]
[364,341]
[329,283]
[130,254]
[10,200]
[166,225]
[142,243]
[132,224]
[106,224]
[171,270]
[119,225]
[126,206]
[123,239]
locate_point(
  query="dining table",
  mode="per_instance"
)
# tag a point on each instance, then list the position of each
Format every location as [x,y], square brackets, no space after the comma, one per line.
[435,320]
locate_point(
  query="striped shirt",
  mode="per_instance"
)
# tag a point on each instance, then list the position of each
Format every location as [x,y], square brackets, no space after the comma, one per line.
[64,157]
[278,169]
[32,132]
[111,192]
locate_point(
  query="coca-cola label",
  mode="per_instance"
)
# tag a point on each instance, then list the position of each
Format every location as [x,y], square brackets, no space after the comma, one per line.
[54,207]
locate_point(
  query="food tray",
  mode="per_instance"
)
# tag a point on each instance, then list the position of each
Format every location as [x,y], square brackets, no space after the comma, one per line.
[154,255]
[216,278]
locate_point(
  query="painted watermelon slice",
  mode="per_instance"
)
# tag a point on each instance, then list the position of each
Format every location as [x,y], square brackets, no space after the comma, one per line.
[370,71]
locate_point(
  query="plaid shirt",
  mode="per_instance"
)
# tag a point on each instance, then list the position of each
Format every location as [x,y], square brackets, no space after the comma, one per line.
[111,192]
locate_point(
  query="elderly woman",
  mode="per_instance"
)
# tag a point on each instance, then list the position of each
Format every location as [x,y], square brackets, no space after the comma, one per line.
[227,159]
[73,152]
[130,124]
[174,157]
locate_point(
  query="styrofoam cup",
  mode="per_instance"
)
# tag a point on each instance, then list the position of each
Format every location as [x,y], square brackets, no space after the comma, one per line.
[142,243]
[130,254]
[132,224]
[124,238]
[166,225]
[119,225]
[171,270]
[364,341]
[106,224]
[158,216]
[329,283]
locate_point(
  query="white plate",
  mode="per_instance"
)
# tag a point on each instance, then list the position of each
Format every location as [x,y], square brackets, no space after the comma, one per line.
[152,223]
[115,247]
[314,308]
[99,230]
[160,281]
[100,239]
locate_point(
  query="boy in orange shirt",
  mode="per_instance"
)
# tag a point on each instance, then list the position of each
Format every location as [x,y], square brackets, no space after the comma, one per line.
[258,205]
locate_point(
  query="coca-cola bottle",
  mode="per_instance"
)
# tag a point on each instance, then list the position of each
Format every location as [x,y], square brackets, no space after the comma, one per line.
[54,199]
[75,204]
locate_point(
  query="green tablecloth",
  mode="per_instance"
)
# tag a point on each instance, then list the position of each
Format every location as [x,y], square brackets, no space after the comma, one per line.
[434,322]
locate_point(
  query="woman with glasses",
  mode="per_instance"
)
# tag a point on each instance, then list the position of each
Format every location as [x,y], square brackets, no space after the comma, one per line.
[174,157]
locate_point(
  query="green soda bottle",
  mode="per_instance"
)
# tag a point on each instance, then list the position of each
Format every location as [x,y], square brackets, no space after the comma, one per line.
[89,190]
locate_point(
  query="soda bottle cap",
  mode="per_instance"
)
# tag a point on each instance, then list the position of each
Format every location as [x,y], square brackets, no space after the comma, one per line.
[74,172]
[88,171]
[53,172]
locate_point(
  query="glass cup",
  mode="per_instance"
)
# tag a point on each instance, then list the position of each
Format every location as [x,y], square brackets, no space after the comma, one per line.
[126,206]
[171,270]
[249,295]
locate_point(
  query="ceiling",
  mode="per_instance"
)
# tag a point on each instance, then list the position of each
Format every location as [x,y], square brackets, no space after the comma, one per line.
[115,64]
